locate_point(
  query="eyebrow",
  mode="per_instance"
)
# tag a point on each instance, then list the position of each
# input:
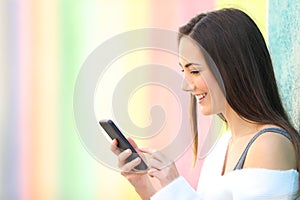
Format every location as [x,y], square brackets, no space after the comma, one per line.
[189,64]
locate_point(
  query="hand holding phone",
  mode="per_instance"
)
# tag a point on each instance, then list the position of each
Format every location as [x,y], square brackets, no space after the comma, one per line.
[114,133]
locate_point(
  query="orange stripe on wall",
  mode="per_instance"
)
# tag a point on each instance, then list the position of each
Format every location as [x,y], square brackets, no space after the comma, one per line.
[44,88]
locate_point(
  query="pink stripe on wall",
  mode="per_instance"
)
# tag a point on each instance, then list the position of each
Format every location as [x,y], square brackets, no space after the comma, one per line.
[25,59]
[170,15]
[192,8]
[189,9]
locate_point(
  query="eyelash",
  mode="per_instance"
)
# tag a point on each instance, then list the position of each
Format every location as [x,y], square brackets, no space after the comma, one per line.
[195,72]
[192,71]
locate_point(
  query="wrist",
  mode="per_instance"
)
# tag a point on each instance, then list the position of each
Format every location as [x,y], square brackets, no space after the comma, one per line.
[146,194]
[146,190]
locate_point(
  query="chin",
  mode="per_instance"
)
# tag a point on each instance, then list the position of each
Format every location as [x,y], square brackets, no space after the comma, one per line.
[205,112]
[208,111]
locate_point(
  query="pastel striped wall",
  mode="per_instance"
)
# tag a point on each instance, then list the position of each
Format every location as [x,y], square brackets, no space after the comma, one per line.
[43,45]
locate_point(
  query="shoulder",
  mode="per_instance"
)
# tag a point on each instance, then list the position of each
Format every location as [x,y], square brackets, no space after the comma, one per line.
[271,151]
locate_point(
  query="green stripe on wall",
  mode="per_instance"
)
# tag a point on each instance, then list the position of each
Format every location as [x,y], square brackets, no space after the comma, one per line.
[76,181]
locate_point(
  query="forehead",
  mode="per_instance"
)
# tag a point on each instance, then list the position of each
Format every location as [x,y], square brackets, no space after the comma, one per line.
[189,51]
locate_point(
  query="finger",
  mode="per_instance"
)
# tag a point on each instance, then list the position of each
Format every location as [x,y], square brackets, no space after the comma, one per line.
[156,164]
[131,165]
[123,156]
[147,150]
[153,173]
[133,144]
[134,173]
[155,154]
[157,159]
[137,149]
[160,156]
[165,176]
[114,147]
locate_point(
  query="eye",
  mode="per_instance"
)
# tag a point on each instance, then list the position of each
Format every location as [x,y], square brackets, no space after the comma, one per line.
[195,72]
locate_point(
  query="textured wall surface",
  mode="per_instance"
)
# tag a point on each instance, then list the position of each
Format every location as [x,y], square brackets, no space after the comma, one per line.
[284,44]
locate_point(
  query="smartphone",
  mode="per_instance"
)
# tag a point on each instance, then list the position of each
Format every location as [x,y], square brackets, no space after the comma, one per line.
[114,133]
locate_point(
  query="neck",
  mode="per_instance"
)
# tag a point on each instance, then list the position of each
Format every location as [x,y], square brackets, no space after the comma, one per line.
[239,126]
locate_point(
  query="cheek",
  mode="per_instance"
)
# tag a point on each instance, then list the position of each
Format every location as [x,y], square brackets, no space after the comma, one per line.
[217,96]
[210,82]
[201,83]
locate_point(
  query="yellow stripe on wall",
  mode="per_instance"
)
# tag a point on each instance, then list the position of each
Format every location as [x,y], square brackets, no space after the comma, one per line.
[256,9]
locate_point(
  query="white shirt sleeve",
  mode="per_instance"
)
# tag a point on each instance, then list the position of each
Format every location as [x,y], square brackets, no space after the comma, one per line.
[179,189]
[264,184]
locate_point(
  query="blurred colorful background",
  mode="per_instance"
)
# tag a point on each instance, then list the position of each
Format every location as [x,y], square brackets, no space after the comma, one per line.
[43,46]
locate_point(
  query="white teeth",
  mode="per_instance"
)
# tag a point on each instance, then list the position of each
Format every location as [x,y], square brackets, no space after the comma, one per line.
[201,96]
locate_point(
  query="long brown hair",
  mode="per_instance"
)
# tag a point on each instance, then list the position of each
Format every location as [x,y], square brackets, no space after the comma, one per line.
[239,51]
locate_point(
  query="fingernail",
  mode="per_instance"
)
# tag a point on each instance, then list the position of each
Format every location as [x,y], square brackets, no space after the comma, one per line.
[128,151]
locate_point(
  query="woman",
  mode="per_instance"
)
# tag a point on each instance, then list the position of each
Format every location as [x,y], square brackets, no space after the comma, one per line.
[260,158]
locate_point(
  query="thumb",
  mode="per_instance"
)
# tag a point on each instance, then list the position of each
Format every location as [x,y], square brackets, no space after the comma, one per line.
[133,144]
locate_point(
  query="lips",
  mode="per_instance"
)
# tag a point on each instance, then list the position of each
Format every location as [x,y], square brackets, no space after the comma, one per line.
[200,97]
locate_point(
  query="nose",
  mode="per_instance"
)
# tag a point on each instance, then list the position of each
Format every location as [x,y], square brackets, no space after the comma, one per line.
[187,86]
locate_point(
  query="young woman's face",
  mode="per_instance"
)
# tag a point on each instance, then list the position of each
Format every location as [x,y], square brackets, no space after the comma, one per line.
[198,78]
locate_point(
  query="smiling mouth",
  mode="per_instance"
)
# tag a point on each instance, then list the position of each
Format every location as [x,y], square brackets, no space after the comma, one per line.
[200,97]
